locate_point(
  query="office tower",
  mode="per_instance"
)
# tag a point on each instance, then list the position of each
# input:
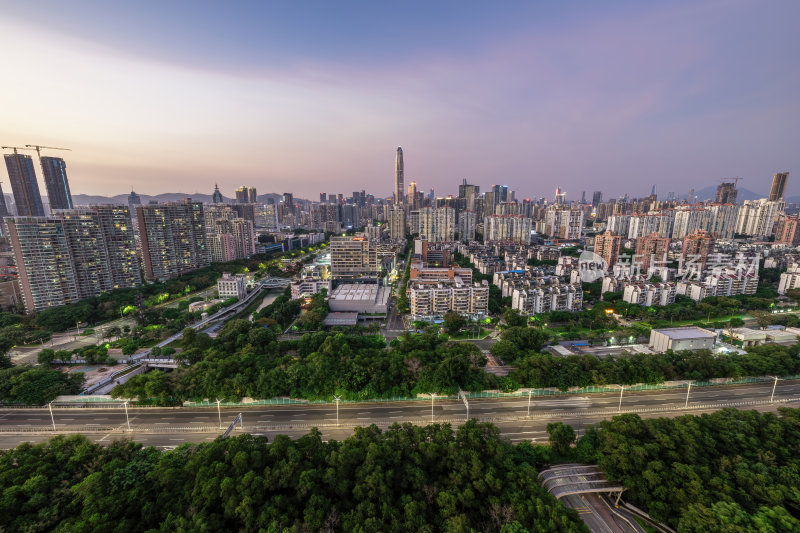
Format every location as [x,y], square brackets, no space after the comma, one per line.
[583,197]
[241,195]
[787,231]
[397,223]
[608,246]
[288,202]
[726,193]
[412,195]
[470,193]
[437,224]
[73,255]
[216,196]
[353,257]
[245,211]
[55,180]
[560,197]
[653,191]
[652,251]
[696,249]
[778,186]
[488,203]
[323,198]
[398,177]
[507,228]
[173,239]
[466,226]
[500,193]
[24,185]
[252,197]
[597,198]
[351,216]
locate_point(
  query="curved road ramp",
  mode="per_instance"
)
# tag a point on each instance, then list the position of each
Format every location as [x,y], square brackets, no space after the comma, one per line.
[585,489]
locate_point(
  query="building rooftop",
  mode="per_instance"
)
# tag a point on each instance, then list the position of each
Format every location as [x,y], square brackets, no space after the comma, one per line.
[690,332]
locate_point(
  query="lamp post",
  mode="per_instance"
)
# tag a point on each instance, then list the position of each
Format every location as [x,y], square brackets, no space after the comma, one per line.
[53,420]
[336,399]
[433,395]
[774,385]
[219,413]
[530,391]
[686,404]
[621,390]
[128,420]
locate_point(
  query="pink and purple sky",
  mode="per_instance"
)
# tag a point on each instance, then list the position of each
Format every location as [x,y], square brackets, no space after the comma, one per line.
[315,96]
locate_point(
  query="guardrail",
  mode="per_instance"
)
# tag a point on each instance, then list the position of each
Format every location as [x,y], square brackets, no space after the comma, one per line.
[111,377]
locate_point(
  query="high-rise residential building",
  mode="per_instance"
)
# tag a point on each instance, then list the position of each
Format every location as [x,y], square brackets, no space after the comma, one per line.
[597,198]
[173,239]
[726,193]
[778,189]
[470,193]
[507,228]
[563,222]
[608,246]
[353,257]
[216,196]
[241,195]
[22,176]
[3,208]
[288,203]
[437,224]
[696,249]
[397,223]
[252,197]
[323,198]
[73,255]
[757,217]
[651,251]
[55,180]
[398,177]
[466,226]
[787,231]
[536,300]
[229,236]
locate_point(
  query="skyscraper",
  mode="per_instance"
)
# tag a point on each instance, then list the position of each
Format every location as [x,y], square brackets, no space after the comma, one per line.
[241,195]
[24,186]
[173,238]
[412,195]
[216,197]
[251,195]
[597,197]
[55,180]
[726,193]
[608,246]
[398,177]
[778,186]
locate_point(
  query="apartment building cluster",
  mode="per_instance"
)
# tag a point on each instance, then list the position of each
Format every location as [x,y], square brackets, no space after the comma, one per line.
[432,292]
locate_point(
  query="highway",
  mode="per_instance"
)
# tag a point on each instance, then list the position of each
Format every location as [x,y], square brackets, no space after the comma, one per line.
[168,427]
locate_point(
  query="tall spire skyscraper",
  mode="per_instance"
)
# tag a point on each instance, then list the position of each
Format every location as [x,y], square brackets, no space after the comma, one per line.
[398,178]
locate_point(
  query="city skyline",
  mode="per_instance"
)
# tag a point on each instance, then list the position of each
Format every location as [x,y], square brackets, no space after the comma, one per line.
[529,96]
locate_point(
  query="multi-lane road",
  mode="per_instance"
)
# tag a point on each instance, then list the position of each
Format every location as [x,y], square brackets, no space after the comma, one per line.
[168,427]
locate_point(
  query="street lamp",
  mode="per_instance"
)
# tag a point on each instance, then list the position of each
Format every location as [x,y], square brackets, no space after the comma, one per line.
[686,404]
[530,391]
[53,420]
[433,395]
[774,385]
[219,413]
[128,420]
[621,390]
[336,399]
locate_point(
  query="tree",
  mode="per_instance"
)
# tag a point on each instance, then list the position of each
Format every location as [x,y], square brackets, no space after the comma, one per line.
[46,356]
[561,437]
[513,318]
[453,322]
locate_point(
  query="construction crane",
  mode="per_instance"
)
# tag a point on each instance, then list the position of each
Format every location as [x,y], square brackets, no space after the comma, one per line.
[15,148]
[39,149]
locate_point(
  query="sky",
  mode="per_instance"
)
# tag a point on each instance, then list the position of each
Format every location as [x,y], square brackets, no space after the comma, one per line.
[310,97]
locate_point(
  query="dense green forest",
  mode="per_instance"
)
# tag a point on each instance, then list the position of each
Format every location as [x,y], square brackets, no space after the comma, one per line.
[27,385]
[247,360]
[403,479]
[727,471]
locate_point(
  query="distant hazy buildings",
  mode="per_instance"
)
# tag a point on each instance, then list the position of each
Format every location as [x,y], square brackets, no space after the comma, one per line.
[22,176]
[55,180]
[173,239]
[726,193]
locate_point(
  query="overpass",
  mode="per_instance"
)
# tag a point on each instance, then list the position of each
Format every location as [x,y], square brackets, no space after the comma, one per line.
[275,283]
